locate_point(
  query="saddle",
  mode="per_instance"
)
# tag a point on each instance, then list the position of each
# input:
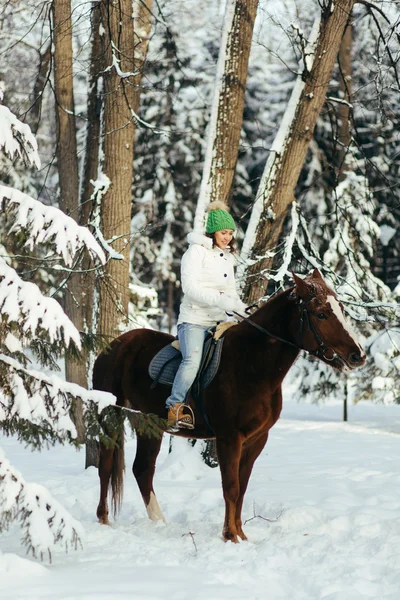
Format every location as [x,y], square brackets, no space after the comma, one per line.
[165,364]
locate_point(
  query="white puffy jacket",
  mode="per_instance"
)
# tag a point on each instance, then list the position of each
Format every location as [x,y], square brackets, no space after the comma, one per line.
[208,283]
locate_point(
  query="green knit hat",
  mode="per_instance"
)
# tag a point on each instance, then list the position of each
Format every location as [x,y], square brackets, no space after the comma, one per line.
[219,218]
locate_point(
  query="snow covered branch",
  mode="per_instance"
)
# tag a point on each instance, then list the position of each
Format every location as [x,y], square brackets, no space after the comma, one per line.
[47,225]
[43,521]
[16,138]
[37,406]
[22,304]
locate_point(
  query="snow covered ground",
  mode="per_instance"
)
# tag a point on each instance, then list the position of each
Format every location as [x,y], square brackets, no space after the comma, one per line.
[331,491]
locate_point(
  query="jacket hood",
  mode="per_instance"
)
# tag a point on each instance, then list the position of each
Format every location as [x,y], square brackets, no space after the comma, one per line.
[200,239]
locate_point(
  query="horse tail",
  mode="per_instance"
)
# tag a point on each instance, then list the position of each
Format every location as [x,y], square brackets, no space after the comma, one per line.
[105,378]
[118,468]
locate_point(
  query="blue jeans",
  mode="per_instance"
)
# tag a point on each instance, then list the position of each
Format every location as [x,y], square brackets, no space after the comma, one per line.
[191,339]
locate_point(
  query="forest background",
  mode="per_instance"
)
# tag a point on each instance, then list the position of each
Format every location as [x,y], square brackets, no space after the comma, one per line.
[142,116]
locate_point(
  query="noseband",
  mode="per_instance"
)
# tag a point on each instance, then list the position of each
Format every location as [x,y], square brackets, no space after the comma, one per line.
[304,319]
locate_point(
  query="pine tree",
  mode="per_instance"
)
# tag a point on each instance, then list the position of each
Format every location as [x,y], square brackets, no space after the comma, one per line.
[36,406]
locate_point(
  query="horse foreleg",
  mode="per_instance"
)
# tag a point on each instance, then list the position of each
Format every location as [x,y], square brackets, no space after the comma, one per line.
[250,452]
[229,459]
[143,469]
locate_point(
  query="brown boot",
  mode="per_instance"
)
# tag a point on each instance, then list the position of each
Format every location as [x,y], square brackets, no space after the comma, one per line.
[180,416]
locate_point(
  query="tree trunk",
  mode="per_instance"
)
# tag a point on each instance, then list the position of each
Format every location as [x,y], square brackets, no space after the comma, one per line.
[115,212]
[138,50]
[67,163]
[282,171]
[38,88]
[227,111]
[90,173]
[142,23]
[344,132]
[92,144]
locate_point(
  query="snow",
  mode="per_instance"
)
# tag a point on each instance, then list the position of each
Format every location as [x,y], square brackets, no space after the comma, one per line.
[386,234]
[47,224]
[329,489]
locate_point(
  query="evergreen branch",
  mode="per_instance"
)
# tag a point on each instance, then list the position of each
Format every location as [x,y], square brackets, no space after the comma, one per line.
[34,509]
[47,225]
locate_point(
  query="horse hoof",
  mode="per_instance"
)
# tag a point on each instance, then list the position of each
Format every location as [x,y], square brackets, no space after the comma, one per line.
[104,521]
[230,538]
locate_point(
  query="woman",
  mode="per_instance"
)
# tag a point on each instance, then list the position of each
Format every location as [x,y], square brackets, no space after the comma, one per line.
[208,283]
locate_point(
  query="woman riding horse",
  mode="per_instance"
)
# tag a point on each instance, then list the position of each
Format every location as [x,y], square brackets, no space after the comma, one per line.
[242,402]
[208,284]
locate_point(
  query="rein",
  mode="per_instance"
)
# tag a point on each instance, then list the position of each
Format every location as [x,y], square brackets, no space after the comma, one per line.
[305,317]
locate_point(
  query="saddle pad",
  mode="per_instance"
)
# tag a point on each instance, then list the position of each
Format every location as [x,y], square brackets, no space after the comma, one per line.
[164,365]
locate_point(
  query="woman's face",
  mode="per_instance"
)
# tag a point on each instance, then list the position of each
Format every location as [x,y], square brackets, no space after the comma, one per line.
[223,237]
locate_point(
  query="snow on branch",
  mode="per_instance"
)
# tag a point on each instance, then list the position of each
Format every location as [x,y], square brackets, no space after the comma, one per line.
[288,247]
[47,225]
[37,407]
[16,138]
[22,303]
[43,521]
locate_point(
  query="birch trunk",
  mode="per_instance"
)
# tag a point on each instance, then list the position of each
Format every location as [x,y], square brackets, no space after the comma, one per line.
[280,177]
[115,213]
[67,163]
[227,110]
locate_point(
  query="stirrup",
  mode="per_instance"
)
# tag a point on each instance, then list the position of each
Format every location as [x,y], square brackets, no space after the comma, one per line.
[180,416]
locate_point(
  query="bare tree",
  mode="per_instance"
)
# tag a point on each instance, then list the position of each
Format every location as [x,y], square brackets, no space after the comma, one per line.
[276,191]
[119,130]
[67,163]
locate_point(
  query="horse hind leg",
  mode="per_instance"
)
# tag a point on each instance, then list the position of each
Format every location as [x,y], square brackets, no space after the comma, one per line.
[143,469]
[105,469]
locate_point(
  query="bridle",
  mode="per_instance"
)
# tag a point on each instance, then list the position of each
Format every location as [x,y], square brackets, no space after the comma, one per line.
[304,319]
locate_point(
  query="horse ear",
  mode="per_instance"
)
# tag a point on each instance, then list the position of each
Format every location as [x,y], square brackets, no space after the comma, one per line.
[317,275]
[301,286]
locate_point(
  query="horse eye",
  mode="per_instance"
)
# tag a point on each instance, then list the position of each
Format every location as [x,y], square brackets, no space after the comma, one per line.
[321,316]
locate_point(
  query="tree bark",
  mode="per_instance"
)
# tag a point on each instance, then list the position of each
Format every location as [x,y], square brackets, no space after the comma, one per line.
[67,163]
[92,143]
[227,111]
[142,25]
[115,212]
[139,43]
[344,111]
[38,89]
[280,177]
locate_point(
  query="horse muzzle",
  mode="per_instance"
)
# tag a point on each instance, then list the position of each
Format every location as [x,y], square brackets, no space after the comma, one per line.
[354,360]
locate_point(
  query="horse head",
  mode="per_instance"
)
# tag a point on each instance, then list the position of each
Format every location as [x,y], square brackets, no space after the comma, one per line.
[324,331]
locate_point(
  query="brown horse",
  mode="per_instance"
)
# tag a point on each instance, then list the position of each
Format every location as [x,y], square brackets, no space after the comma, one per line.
[243,401]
